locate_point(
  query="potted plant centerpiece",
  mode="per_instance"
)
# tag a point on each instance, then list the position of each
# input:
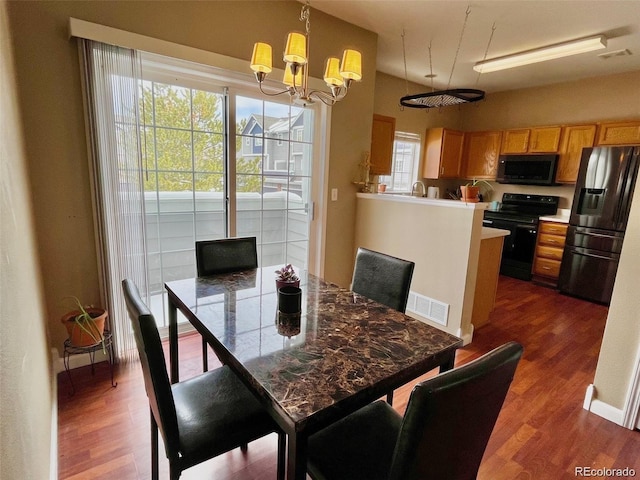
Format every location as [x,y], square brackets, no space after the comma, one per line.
[470,191]
[286,277]
[85,325]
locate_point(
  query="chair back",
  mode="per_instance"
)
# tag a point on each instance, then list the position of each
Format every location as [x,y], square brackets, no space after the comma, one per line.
[226,255]
[154,368]
[382,278]
[449,418]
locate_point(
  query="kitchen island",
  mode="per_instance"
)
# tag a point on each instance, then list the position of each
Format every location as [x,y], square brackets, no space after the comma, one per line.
[445,240]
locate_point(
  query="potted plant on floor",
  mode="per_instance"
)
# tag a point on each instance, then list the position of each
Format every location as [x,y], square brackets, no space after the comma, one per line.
[287,277]
[85,325]
[470,192]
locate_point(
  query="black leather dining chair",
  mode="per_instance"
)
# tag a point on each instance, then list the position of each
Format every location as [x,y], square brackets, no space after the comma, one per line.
[383,278]
[201,417]
[443,434]
[222,256]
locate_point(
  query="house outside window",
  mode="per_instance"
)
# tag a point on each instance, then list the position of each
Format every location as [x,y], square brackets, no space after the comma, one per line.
[404,166]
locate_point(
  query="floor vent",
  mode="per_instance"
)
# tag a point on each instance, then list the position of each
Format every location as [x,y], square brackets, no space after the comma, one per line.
[434,310]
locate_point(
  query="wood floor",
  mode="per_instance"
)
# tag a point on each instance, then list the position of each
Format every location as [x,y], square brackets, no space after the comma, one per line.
[542,433]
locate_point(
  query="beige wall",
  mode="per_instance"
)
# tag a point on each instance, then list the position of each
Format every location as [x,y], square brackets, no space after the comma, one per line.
[27,392]
[47,69]
[621,342]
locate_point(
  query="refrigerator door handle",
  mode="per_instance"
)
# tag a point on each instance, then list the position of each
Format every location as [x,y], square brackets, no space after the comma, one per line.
[631,170]
[591,234]
[592,255]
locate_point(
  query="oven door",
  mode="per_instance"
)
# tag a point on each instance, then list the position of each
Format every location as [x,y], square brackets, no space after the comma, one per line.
[519,247]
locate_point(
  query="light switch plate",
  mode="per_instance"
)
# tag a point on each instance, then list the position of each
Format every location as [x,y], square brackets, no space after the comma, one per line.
[334,194]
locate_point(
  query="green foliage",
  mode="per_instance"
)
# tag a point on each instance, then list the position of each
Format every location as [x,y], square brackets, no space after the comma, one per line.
[85,322]
[172,150]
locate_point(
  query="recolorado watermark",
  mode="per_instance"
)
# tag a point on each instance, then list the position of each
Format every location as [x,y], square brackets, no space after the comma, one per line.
[605,472]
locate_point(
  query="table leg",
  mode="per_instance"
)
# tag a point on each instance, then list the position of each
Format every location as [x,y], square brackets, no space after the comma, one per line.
[297,457]
[173,342]
[448,365]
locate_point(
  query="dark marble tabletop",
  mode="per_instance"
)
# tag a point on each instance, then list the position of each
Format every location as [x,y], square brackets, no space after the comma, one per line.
[341,349]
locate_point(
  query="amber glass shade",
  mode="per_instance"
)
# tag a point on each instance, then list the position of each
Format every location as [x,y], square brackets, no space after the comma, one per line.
[261,58]
[332,75]
[295,50]
[288,77]
[351,68]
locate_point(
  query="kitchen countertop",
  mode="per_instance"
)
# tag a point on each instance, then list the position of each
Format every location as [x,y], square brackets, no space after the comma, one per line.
[561,217]
[437,202]
[488,232]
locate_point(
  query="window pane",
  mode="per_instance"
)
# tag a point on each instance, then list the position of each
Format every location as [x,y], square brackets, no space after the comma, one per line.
[406,155]
[172,106]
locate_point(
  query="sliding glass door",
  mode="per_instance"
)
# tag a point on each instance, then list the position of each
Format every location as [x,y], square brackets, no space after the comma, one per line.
[204,179]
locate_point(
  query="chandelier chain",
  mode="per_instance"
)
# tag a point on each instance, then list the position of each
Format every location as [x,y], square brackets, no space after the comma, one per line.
[455,59]
[431,67]
[305,14]
[486,52]
[404,55]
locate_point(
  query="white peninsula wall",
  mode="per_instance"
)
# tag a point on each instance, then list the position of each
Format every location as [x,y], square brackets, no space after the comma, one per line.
[442,237]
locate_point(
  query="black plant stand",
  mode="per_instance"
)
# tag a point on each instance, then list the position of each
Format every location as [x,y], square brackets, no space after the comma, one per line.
[70,349]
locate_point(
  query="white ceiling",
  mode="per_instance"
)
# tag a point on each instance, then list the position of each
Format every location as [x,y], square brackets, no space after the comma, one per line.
[519,25]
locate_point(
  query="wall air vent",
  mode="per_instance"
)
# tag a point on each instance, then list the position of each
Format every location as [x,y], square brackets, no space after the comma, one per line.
[434,310]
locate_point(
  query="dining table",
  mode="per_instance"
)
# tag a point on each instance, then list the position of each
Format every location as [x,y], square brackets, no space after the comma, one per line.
[308,369]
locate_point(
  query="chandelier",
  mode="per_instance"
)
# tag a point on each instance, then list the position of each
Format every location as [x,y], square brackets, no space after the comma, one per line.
[337,75]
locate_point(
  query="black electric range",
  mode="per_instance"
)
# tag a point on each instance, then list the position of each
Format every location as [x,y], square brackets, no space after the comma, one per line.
[519,214]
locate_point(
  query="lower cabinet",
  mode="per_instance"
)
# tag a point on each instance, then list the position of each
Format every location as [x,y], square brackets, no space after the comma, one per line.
[548,255]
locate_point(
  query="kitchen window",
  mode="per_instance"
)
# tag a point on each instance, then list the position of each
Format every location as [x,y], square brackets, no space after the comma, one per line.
[404,166]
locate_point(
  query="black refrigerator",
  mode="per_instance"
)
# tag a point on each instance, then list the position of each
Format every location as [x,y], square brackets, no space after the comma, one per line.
[599,215]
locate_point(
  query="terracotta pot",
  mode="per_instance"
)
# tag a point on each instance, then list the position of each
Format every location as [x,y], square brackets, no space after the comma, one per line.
[469,193]
[77,336]
[284,283]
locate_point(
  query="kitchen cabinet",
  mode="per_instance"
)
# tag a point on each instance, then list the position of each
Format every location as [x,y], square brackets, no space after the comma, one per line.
[531,140]
[442,153]
[574,139]
[487,278]
[549,250]
[382,136]
[480,154]
[619,133]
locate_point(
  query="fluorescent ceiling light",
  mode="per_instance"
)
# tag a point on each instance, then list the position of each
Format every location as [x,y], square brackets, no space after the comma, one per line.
[543,54]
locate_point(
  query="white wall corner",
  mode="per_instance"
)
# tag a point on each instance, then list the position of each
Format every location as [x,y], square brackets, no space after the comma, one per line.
[588,396]
[467,336]
[601,408]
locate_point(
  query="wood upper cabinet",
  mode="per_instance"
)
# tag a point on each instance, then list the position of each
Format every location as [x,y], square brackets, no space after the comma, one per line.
[480,154]
[382,136]
[442,153]
[531,140]
[574,139]
[619,133]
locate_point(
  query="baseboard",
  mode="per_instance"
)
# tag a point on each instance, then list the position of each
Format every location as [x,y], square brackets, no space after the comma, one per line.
[601,408]
[53,452]
[77,361]
[466,337]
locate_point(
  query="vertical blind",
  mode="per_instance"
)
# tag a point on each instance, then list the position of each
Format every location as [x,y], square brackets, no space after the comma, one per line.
[111,78]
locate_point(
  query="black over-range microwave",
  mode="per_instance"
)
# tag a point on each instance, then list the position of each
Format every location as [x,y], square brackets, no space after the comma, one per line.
[527,169]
